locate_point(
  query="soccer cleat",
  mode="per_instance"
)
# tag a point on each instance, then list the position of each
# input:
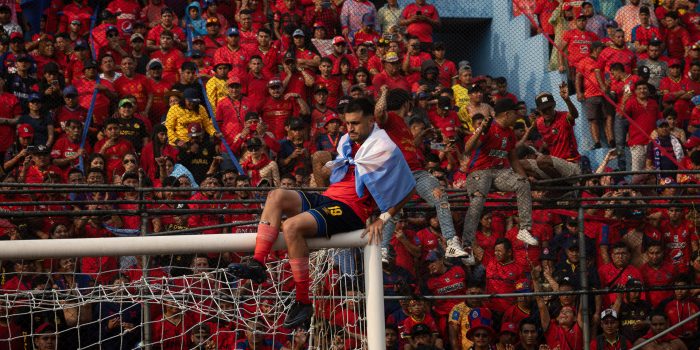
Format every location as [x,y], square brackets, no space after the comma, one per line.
[525,236]
[252,270]
[385,255]
[298,314]
[454,248]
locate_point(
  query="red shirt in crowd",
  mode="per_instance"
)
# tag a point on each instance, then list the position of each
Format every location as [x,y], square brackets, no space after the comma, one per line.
[9,109]
[560,338]
[644,115]
[611,55]
[171,60]
[588,68]
[578,44]
[559,136]
[664,275]
[344,191]
[395,82]
[494,149]
[677,39]
[611,276]
[138,85]
[275,112]
[500,278]
[420,29]
[401,135]
[114,154]
[678,240]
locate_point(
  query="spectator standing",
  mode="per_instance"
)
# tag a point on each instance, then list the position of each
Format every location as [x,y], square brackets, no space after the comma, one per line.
[681,239]
[278,107]
[420,19]
[644,33]
[494,164]
[167,23]
[590,88]
[680,308]
[352,13]
[644,111]
[170,58]
[444,280]
[232,52]
[617,52]
[617,272]
[578,44]
[216,87]
[135,84]
[627,17]
[10,109]
[391,76]
[596,22]
[389,16]
[658,68]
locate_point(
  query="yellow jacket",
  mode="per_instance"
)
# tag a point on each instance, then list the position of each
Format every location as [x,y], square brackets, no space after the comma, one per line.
[178,118]
[216,90]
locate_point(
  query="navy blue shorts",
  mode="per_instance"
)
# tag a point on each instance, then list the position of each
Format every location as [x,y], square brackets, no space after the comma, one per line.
[331,216]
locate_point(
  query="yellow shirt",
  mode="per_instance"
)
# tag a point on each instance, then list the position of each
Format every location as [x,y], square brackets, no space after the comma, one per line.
[462,101]
[460,316]
[216,90]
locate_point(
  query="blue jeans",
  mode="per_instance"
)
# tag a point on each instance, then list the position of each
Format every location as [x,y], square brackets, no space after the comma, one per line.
[426,185]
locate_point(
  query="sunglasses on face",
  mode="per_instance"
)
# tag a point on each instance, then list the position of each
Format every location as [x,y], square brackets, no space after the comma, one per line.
[112,35]
[127,161]
[481,335]
[254,148]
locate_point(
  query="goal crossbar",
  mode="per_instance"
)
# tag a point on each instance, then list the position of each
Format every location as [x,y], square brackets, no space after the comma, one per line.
[216,243]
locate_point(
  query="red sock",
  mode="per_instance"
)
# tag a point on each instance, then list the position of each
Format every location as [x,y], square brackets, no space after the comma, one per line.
[300,273]
[267,235]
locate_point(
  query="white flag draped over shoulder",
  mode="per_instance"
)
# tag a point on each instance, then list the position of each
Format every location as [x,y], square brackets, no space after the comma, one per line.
[379,166]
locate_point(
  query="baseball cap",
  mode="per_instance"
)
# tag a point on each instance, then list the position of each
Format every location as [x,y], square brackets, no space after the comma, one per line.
[136,36]
[695,100]
[112,29]
[505,105]
[154,64]
[433,256]
[318,24]
[320,87]
[608,313]
[80,44]
[331,117]
[75,21]
[274,82]
[34,96]
[191,94]
[194,129]
[195,54]
[633,282]
[661,122]
[338,40]
[70,90]
[544,100]
[509,327]
[233,31]
[419,329]
[125,101]
[254,142]
[674,62]
[16,37]
[252,115]
[23,58]
[25,130]
[221,62]
[289,56]
[234,79]
[198,38]
[567,6]
[298,32]
[368,19]
[572,242]
[547,254]
[444,103]
[391,57]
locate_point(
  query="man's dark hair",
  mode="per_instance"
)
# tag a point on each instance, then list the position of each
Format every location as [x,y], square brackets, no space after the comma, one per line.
[620,245]
[73,171]
[111,121]
[326,60]
[94,170]
[695,158]
[617,66]
[506,243]
[652,243]
[362,105]
[396,98]
[655,313]
[130,175]
[500,80]
[527,320]
[265,30]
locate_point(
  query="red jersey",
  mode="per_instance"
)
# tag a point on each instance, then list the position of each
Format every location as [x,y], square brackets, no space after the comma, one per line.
[559,136]
[297,84]
[588,68]
[138,85]
[611,55]
[395,82]
[401,135]
[515,314]
[670,85]
[544,10]
[612,276]
[644,115]
[643,35]
[200,220]
[578,44]
[678,240]
[664,275]
[275,112]
[9,109]
[420,29]
[12,336]
[272,58]
[452,282]
[255,88]
[448,124]
[447,71]
[344,191]
[212,44]
[65,114]
[171,60]
[101,108]
[403,257]
[127,12]
[335,91]
[619,87]
[426,240]
[407,325]
[559,338]
[677,39]
[608,346]
[230,116]
[500,278]
[114,154]
[678,310]
[495,146]
[172,335]
[488,244]
[238,58]
[416,62]
[64,148]
[318,122]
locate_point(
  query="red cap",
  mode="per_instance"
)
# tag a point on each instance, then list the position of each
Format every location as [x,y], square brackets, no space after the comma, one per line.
[692,142]
[318,25]
[509,327]
[480,318]
[234,79]
[25,130]
[331,117]
[194,129]
[338,40]
[674,62]
[16,35]
[566,7]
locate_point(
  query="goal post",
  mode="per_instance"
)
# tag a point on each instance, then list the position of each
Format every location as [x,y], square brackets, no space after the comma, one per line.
[215,243]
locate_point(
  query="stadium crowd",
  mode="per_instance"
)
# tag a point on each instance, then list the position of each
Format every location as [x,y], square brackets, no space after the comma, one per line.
[173,94]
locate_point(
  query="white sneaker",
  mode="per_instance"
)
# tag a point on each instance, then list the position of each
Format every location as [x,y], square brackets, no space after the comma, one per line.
[454,248]
[525,236]
[385,256]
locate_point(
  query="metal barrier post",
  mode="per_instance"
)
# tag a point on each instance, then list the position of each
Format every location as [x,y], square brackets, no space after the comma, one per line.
[145,310]
[583,269]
